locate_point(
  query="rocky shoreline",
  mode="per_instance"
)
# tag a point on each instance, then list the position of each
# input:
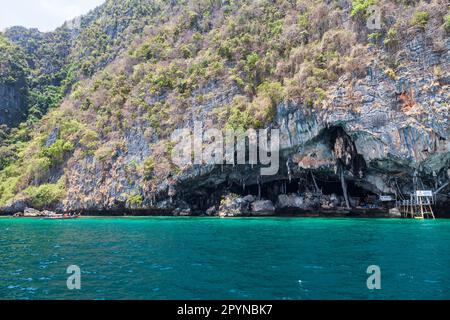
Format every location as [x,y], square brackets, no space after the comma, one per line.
[359,115]
[234,206]
[343,213]
[33,213]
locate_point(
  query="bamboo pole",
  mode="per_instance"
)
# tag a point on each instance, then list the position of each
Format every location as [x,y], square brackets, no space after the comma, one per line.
[344,188]
[315,182]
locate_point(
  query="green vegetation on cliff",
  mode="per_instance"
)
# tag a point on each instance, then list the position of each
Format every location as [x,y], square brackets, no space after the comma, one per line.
[13,63]
[14,73]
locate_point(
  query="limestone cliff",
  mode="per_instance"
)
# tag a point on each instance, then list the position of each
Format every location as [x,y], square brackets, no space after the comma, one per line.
[371,106]
[13,89]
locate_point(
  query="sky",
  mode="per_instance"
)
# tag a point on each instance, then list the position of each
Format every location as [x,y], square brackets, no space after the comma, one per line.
[46,15]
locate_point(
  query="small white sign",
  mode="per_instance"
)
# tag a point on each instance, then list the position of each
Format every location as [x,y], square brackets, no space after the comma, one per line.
[386,198]
[424,193]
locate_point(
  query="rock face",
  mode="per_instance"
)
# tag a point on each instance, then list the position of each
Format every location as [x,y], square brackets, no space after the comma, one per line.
[30,212]
[177,208]
[395,213]
[12,104]
[13,84]
[290,201]
[33,213]
[372,131]
[376,129]
[263,208]
[233,206]
[211,211]
[16,206]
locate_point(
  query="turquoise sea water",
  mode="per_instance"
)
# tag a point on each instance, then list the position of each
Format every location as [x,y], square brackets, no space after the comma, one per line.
[209,258]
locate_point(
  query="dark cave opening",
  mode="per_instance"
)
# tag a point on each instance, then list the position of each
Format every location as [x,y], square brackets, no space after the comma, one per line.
[333,185]
[301,182]
[300,185]
[201,201]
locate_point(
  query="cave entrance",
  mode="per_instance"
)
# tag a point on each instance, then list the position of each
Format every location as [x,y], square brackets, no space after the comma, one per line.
[333,185]
[270,190]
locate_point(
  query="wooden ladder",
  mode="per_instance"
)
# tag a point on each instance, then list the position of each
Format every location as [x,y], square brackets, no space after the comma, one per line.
[424,209]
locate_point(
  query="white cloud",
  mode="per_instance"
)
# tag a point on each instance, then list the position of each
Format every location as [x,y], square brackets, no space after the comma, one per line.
[45,15]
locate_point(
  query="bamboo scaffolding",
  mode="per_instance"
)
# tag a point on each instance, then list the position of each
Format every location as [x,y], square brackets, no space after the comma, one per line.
[417,207]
